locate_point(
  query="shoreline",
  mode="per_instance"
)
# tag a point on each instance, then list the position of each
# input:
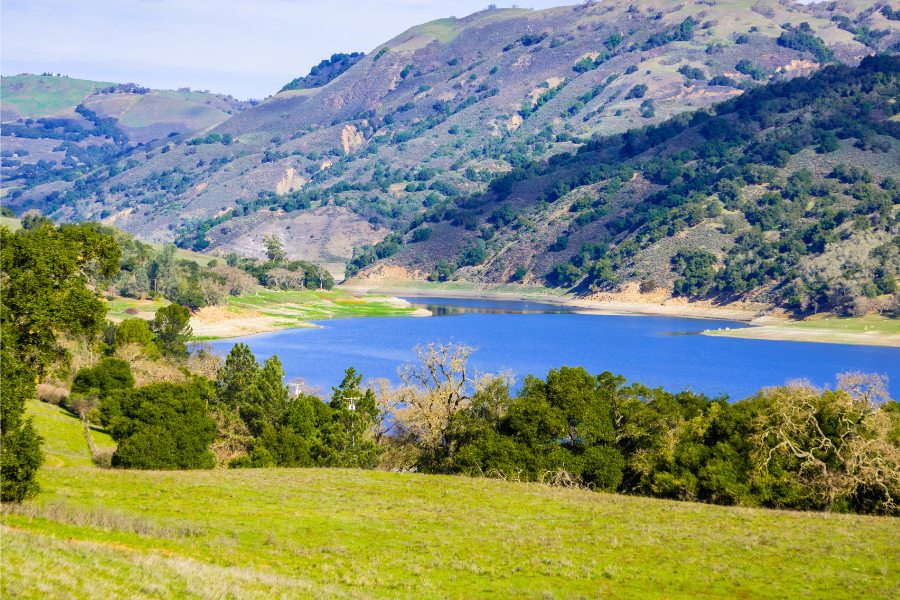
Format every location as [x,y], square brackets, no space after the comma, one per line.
[760,325]
[598,307]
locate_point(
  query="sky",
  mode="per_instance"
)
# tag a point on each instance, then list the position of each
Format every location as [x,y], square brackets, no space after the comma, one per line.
[247,48]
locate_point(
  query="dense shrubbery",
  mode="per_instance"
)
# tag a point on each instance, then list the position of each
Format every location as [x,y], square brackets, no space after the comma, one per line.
[161,426]
[761,451]
[325,71]
[683,32]
[801,38]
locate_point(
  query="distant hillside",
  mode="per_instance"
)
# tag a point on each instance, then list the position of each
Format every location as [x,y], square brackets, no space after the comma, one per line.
[787,195]
[56,128]
[433,116]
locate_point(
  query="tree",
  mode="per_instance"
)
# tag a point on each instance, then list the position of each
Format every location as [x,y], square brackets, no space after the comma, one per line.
[44,274]
[350,440]
[255,394]
[108,375]
[236,377]
[161,426]
[275,248]
[133,331]
[433,392]
[697,268]
[835,446]
[171,326]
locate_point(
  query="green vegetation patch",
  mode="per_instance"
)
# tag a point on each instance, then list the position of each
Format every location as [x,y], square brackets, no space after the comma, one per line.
[336,532]
[298,307]
[39,96]
[64,440]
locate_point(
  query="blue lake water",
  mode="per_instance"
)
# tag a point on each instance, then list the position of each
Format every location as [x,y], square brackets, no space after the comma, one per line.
[531,338]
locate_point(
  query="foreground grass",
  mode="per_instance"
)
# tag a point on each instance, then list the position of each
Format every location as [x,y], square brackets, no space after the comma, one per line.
[868,330]
[349,533]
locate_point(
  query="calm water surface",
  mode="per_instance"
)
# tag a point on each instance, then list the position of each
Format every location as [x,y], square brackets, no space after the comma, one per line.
[531,338]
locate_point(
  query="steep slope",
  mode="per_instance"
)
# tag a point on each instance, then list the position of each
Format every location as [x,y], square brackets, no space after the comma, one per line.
[787,194]
[439,111]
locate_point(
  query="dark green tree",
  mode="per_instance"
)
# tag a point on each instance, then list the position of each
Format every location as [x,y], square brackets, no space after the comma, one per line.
[349,441]
[45,274]
[162,426]
[108,375]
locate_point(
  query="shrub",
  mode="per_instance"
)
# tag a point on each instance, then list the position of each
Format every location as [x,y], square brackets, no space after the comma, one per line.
[420,235]
[637,91]
[133,331]
[161,426]
[109,375]
[722,80]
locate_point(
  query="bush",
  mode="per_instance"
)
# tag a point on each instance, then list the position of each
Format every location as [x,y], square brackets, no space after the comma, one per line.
[133,331]
[109,375]
[637,91]
[161,426]
[420,235]
[21,457]
[722,80]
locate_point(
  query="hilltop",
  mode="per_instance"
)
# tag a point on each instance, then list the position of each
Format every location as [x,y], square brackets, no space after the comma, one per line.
[362,150]
[352,533]
[58,131]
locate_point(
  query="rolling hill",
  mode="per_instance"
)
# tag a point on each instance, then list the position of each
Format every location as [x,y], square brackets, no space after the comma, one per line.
[424,126]
[57,129]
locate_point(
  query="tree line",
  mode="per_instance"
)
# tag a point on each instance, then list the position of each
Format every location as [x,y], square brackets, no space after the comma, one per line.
[793,446]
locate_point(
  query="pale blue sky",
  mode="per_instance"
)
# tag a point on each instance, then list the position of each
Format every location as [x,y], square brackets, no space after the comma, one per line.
[248,48]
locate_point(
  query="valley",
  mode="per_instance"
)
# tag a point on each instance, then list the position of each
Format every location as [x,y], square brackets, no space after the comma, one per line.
[437,154]
[598,300]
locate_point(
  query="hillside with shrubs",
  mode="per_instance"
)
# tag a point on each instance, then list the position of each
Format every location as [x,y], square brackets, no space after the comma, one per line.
[431,118]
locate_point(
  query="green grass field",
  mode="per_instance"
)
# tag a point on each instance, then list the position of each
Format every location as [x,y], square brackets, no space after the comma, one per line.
[866,324]
[121,308]
[298,307]
[285,533]
[36,96]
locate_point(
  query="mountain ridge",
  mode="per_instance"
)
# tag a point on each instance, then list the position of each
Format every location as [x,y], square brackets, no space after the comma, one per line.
[440,111]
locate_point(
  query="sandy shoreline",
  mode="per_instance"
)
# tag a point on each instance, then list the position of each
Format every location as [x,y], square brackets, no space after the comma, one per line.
[686,310]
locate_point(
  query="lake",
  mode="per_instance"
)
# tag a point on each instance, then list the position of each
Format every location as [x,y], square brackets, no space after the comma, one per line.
[531,338]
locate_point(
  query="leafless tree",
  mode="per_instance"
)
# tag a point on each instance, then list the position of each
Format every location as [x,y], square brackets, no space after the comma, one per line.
[388,400]
[434,390]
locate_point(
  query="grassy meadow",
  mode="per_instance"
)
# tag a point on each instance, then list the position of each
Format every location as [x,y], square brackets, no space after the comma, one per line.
[279,533]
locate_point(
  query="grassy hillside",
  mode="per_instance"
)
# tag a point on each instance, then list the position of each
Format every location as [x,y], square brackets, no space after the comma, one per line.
[437,112]
[64,439]
[31,96]
[57,129]
[347,533]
